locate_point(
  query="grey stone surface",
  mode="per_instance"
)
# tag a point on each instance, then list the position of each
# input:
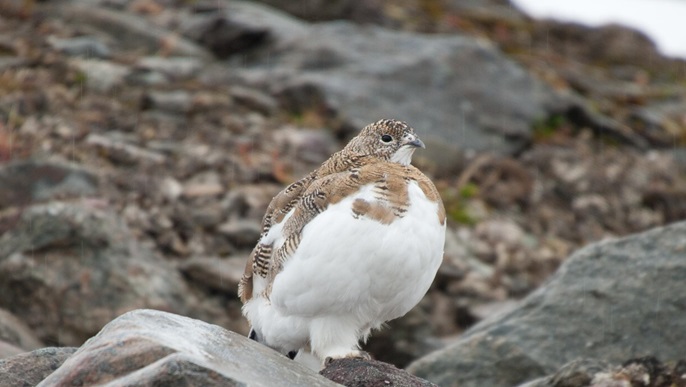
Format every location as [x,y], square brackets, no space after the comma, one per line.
[663,123]
[612,300]
[578,372]
[25,182]
[101,75]
[239,27]
[9,350]
[14,331]
[68,269]
[132,32]
[371,373]
[215,273]
[148,347]
[85,46]
[28,369]
[455,90]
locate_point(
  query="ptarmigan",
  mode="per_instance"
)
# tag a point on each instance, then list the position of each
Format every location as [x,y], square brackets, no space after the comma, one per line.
[354,244]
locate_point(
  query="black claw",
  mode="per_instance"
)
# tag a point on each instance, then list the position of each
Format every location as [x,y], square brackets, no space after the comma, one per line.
[292,354]
[252,335]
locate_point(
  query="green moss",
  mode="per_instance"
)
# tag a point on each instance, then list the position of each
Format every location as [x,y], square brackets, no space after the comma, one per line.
[469,191]
[80,77]
[545,128]
[456,203]
[459,214]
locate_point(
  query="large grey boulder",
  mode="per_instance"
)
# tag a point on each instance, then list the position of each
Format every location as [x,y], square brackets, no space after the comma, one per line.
[148,347]
[67,269]
[455,90]
[613,300]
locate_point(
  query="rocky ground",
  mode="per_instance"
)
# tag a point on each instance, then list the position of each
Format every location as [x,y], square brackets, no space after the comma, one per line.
[141,140]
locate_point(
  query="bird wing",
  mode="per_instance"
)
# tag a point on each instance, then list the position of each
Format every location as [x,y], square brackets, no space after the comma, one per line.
[260,259]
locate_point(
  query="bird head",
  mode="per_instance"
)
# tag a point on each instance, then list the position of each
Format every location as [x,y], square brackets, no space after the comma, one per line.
[390,140]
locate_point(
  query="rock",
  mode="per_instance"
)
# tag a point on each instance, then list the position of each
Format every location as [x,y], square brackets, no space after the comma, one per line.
[370,373]
[101,76]
[175,68]
[171,188]
[130,31]
[663,123]
[320,10]
[355,75]
[68,269]
[215,273]
[591,193]
[30,181]
[640,372]
[583,115]
[670,202]
[148,347]
[224,35]
[249,201]
[610,300]
[312,146]
[29,369]
[242,232]
[85,46]
[14,8]
[407,338]
[14,331]
[609,44]
[9,350]
[207,215]
[578,372]
[9,63]
[254,99]
[206,183]
[122,152]
[239,27]
[175,102]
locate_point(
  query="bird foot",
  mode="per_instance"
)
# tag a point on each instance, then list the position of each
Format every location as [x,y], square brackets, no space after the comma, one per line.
[352,355]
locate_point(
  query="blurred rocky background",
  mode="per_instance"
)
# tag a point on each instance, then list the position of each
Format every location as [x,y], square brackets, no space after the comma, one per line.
[141,141]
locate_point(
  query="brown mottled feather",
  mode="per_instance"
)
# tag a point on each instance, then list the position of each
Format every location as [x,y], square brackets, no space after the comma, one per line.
[343,174]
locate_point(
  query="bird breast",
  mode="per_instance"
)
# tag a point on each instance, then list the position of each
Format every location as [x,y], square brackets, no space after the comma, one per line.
[363,263]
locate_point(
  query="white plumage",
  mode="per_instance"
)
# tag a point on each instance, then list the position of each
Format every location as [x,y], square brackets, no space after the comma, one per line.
[361,260]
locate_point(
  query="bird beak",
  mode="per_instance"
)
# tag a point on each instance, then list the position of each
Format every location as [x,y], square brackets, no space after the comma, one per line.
[416,142]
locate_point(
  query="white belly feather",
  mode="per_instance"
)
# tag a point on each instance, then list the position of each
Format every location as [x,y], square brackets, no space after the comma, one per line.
[357,268]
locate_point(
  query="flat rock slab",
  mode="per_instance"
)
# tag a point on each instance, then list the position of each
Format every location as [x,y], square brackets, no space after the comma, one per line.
[454,90]
[148,347]
[612,300]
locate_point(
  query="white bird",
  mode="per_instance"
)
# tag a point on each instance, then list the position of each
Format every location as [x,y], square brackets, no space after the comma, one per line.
[355,243]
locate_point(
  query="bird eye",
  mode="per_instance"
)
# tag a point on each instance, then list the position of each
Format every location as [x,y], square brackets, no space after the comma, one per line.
[386,138]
